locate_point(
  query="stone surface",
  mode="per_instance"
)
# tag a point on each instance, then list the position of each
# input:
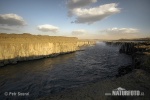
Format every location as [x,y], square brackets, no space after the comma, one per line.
[15,47]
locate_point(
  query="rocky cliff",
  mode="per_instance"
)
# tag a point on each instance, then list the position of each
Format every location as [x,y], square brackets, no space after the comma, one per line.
[140,53]
[15,47]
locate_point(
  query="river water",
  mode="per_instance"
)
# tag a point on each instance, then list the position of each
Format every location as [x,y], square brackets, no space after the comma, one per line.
[53,75]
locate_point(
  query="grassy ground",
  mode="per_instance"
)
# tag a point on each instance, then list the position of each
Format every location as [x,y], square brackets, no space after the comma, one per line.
[28,38]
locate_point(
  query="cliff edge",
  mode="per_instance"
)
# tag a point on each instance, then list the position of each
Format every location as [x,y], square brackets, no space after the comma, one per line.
[21,47]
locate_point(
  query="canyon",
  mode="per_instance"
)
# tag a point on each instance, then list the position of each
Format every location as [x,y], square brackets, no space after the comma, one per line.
[130,77]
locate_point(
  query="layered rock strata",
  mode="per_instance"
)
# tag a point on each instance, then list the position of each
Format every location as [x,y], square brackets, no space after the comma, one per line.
[15,47]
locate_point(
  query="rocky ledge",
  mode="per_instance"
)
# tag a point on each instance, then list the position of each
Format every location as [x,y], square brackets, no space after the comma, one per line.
[21,47]
[140,53]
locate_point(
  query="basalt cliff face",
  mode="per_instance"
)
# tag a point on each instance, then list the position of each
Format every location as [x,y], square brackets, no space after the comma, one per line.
[15,47]
[139,52]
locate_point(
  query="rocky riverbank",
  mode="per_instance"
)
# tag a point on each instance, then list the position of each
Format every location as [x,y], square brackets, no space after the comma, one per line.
[133,77]
[21,47]
[140,53]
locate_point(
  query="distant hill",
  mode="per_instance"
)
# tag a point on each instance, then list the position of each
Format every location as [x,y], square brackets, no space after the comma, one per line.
[137,39]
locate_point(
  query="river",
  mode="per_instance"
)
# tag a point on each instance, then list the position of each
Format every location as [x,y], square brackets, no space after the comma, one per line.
[49,76]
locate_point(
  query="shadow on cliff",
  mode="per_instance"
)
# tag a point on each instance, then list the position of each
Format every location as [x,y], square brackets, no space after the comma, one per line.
[33,57]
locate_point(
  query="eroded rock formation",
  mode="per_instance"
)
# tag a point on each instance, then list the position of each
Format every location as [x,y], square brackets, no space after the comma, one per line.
[140,53]
[20,47]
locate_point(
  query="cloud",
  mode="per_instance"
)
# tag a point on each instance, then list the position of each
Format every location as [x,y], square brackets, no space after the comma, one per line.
[79,3]
[78,32]
[108,34]
[7,29]
[94,14]
[121,31]
[118,33]
[48,28]
[11,20]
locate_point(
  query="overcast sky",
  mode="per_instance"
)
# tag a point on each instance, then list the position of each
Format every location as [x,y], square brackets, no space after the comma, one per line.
[94,19]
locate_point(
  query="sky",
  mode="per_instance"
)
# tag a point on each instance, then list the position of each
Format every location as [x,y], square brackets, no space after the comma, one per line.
[85,19]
